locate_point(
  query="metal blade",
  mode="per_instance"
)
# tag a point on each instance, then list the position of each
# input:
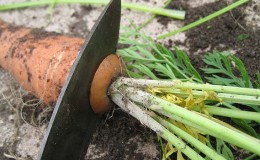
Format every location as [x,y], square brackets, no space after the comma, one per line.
[73,121]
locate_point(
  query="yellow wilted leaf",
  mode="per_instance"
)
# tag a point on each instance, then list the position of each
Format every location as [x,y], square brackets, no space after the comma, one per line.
[211,95]
[202,138]
[169,150]
[192,131]
[153,91]
[172,98]
[189,101]
[166,96]
[179,156]
[204,109]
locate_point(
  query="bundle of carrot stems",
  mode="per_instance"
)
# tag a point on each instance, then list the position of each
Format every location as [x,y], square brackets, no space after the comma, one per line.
[177,112]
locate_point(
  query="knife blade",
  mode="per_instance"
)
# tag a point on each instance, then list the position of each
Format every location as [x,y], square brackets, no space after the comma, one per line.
[73,121]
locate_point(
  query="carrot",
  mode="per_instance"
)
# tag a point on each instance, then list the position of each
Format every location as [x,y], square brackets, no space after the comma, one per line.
[41,60]
[109,68]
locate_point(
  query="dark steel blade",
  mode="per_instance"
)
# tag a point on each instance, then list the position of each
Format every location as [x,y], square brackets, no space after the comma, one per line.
[73,121]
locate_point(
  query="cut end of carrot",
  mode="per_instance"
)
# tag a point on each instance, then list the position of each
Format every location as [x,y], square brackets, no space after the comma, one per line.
[109,68]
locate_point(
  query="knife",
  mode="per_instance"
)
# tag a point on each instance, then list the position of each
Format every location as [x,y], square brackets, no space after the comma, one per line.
[73,121]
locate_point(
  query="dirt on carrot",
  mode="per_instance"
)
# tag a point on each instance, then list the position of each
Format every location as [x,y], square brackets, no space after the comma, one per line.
[39,60]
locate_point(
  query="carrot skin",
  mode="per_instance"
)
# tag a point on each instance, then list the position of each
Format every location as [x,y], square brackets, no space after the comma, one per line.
[109,68]
[39,60]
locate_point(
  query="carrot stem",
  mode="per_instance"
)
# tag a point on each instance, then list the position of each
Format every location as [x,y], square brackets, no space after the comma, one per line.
[208,125]
[187,137]
[189,85]
[225,93]
[232,113]
[145,119]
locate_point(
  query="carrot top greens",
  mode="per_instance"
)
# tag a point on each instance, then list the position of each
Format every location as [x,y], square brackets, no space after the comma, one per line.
[183,107]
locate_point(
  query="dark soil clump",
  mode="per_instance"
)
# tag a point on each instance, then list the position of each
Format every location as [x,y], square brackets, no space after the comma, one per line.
[40,34]
[80,27]
[115,135]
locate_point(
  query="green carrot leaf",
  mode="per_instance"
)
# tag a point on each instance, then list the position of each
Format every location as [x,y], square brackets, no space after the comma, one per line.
[153,59]
[145,70]
[226,69]
[257,80]
[242,37]
[223,149]
[245,125]
[184,63]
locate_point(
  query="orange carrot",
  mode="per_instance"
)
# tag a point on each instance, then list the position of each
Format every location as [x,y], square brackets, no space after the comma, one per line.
[41,60]
[109,68]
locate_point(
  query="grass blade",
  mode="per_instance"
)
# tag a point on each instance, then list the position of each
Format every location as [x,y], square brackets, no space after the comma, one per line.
[203,20]
[155,10]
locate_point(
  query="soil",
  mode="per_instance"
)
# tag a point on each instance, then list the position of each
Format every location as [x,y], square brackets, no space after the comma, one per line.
[120,136]
[225,33]
[123,137]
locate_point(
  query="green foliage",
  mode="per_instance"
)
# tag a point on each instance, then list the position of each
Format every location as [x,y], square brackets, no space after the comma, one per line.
[148,58]
[257,80]
[226,69]
[246,126]
[251,157]
[242,37]
[223,149]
